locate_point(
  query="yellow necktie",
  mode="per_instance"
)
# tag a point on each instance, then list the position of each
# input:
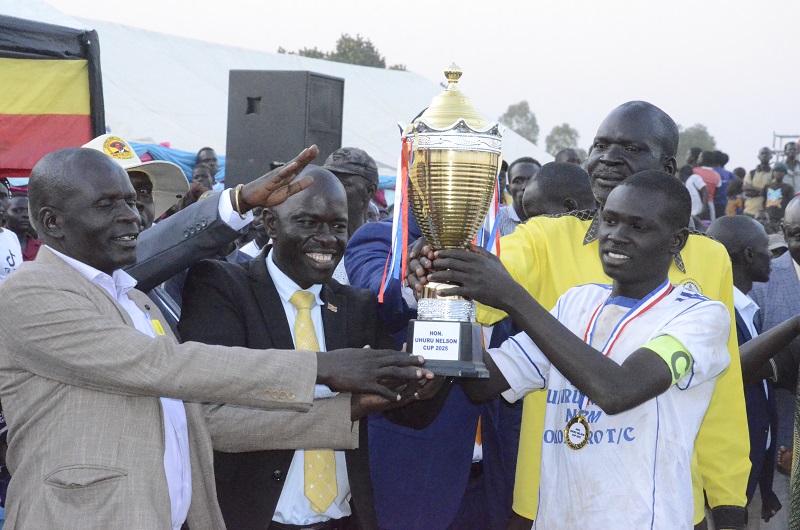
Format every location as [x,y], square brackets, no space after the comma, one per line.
[319,467]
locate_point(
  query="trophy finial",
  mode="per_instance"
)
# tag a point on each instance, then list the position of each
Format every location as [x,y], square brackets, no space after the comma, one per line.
[453,73]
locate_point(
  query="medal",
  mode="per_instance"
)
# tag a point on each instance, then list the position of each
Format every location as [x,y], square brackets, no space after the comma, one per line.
[577,432]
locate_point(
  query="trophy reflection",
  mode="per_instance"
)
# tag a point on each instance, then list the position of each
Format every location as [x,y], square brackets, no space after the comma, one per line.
[456,158]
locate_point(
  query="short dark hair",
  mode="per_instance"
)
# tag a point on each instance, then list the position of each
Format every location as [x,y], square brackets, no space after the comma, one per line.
[52,179]
[675,196]
[722,158]
[707,157]
[204,149]
[523,160]
[561,180]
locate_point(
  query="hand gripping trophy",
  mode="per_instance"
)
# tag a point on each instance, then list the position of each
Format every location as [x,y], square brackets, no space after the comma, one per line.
[455,161]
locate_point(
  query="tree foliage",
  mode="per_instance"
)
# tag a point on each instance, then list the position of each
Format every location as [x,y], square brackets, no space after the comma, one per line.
[561,137]
[356,50]
[519,118]
[695,136]
[314,53]
[350,50]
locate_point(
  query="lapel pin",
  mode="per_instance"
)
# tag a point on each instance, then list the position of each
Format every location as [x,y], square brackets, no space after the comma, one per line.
[332,307]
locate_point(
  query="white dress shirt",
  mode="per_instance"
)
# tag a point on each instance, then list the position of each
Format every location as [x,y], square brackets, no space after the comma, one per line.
[251,249]
[293,506]
[747,308]
[796,269]
[177,466]
[228,215]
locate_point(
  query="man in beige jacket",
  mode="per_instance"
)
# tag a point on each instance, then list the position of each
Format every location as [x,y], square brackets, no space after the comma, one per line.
[93,390]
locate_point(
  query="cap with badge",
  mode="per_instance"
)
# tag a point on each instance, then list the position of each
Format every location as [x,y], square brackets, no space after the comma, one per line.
[169,182]
[777,241]
[353,161]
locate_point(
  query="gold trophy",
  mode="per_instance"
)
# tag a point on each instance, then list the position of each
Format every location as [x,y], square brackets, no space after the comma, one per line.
[456,158]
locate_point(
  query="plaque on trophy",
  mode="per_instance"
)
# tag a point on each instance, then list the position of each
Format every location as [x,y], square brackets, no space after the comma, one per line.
[456,158]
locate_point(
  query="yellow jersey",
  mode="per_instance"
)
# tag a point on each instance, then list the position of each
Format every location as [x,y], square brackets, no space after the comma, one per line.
[550,255]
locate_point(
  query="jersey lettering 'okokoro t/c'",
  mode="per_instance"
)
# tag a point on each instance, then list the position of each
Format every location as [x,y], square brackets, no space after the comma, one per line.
[628,470]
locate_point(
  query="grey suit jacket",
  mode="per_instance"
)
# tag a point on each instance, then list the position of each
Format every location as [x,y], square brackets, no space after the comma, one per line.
[779,298]
[80,388]
[179,241]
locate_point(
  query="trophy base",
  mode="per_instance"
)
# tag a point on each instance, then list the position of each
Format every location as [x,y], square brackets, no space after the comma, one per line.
[450,348]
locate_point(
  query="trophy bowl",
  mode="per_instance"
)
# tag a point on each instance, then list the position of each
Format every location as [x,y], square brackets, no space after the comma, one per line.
[456,158]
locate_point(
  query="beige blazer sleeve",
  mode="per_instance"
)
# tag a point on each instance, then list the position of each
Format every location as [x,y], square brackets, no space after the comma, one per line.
[60,326]
[326,426]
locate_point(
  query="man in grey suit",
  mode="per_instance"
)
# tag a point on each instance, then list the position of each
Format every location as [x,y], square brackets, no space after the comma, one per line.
[93,393]
[779,300]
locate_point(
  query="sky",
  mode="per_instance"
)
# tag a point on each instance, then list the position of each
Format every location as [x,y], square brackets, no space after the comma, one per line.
[731,66]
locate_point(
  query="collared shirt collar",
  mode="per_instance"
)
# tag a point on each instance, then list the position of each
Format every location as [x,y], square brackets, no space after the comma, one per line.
[591,233]
[119,283]
[285,286]
[747,309]
[796,269]
[512,214]
[742,302]
[594,226]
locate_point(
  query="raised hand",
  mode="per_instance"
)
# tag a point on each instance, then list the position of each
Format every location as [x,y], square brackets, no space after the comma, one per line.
[279,184]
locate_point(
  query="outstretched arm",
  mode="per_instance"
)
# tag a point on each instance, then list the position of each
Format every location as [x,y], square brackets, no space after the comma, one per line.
[756,352]
[614,388]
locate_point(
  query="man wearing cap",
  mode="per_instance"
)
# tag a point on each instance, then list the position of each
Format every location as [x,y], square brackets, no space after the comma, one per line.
[358,173]
[777,245]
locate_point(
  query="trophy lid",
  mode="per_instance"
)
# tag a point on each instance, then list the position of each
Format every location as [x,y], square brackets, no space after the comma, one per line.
[452,105]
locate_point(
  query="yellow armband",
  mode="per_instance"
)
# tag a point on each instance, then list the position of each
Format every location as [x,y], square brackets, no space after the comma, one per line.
[674,354]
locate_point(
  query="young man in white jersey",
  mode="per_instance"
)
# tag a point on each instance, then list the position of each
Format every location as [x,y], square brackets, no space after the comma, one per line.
[629,368]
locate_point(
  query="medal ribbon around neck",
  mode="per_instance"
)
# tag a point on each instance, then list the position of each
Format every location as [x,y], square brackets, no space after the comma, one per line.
[636,311]
[655,296]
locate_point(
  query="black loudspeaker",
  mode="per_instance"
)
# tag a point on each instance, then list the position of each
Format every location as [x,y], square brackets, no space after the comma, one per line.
[273,115]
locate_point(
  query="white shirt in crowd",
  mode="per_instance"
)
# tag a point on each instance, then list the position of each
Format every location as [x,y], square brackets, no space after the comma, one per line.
[251,249]
[694,184]
[747,309]
[10,253]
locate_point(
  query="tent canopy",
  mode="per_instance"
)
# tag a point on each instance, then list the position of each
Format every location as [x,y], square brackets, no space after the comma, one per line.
[160,87]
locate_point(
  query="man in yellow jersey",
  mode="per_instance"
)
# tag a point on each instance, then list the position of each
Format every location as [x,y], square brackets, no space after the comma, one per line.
[550,255]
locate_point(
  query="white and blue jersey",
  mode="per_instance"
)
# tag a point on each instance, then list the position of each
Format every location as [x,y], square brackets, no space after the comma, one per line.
[634,471]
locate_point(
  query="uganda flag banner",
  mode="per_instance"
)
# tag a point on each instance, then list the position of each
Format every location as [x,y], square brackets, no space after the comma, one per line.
[51,94]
